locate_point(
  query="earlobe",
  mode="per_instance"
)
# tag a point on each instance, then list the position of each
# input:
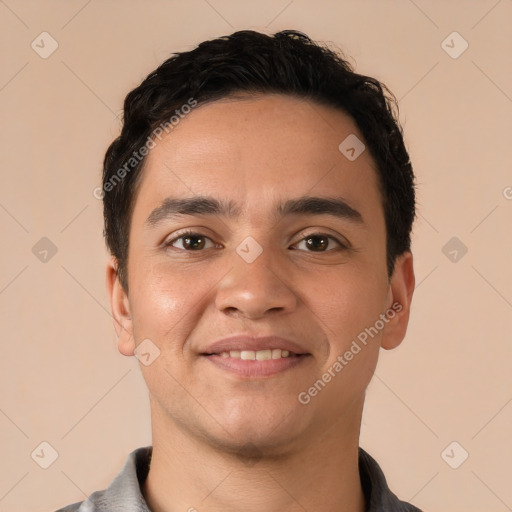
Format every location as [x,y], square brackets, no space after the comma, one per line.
[120,308]
[400,292]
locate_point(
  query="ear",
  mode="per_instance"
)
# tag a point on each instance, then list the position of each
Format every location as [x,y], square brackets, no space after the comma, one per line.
[400,293]
[120,307]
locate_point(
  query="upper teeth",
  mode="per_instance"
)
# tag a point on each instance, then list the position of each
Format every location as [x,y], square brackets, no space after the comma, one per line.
[259,355]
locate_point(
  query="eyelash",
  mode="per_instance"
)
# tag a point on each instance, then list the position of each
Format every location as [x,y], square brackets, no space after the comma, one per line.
[195,234]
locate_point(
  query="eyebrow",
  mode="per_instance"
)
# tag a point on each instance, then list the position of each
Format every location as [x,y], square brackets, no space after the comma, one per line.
[173,207]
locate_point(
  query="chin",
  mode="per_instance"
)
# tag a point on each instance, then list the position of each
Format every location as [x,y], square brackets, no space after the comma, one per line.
[251,448]
[257,435]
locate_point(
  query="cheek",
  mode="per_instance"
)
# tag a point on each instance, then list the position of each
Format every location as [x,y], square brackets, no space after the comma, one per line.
[352,304]
[351,300]
[163,299]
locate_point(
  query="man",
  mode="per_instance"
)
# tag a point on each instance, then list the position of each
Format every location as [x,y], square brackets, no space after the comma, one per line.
[258,207]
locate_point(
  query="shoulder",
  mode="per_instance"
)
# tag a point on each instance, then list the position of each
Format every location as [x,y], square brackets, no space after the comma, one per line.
[70,508]
[94,503]
[378,495]
[124,492]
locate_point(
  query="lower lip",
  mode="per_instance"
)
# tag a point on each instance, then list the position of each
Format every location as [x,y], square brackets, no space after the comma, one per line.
[254,368]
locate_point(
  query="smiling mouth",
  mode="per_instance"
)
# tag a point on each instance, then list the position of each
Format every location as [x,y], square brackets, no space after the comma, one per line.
[250,364]
[256,355]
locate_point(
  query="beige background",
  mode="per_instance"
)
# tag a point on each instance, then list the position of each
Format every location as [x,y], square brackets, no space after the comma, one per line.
[62,379]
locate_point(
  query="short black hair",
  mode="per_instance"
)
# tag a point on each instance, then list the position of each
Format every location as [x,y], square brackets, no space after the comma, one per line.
[287,62]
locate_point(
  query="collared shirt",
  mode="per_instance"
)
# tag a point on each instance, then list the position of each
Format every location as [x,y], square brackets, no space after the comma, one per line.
[124,493]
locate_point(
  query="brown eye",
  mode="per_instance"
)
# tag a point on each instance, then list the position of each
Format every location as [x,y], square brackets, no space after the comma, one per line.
[191,242]
[194,242]
[319,243]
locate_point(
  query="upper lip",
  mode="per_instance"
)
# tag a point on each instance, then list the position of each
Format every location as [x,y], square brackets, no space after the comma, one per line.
[255,343]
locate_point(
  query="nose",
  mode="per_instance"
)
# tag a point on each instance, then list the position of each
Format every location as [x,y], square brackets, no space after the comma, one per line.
[255,290]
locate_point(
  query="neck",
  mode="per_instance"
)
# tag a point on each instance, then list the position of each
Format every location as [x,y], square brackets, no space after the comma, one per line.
[188,474]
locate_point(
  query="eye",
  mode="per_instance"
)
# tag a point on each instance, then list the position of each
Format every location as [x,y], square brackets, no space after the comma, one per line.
[191,241]
[318,242]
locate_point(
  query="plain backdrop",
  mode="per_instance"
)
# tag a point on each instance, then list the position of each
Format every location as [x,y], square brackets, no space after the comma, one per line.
[64,383]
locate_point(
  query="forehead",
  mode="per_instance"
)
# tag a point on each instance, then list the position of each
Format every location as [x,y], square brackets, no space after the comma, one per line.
[257,149]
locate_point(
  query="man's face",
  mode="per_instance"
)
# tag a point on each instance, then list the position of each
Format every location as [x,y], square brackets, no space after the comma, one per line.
[263,268]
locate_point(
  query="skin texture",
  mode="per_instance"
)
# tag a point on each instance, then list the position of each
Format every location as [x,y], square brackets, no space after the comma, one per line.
[207,423]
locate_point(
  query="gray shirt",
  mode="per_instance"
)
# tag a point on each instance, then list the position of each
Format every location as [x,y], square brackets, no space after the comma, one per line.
[124,493]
